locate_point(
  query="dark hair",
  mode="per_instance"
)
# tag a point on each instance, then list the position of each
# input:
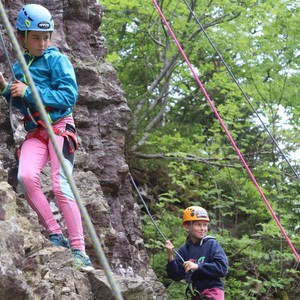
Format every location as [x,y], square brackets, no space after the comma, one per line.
[21,32]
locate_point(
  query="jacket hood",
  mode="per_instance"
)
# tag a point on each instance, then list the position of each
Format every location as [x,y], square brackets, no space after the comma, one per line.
[47,51]
[204,240]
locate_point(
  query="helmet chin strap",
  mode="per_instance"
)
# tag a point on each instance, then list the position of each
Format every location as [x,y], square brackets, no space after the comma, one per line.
[24,44]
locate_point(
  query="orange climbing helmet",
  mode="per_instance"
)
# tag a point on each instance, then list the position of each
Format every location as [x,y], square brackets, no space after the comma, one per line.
[195,213]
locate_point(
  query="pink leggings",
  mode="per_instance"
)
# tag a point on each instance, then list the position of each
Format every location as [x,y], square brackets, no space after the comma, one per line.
[35,153]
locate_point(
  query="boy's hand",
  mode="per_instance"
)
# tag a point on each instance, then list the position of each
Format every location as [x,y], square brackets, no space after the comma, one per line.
[169,247]
[17,89]
[190,266]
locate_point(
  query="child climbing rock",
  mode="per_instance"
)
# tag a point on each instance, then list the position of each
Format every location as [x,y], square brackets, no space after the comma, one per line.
[201,261]
[55,81]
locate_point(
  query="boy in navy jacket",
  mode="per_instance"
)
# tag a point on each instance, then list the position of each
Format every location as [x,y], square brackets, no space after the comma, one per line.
[201,260]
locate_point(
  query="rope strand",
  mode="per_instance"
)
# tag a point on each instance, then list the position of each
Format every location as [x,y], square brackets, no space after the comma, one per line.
[242,91]
[151,218]
[226,131]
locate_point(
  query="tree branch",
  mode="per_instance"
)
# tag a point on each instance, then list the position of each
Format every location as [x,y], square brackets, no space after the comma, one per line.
[188,157]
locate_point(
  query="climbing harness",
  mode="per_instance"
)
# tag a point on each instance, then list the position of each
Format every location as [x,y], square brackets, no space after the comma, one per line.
[241,89]
[226,131]
[31,116]
[35,116]
[195,295]
[190,291]
[87,221]
[68,134]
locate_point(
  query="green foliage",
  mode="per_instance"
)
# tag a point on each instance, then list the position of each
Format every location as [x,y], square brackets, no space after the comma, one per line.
[177,149]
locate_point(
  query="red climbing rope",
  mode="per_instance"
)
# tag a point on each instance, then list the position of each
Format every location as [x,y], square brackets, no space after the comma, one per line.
[226,131]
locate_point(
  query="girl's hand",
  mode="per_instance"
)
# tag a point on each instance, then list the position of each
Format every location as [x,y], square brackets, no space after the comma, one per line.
[3,82]
[17,89]
[190,266]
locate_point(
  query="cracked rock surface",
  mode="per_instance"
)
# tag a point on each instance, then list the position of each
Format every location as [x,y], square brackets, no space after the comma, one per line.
[30,267]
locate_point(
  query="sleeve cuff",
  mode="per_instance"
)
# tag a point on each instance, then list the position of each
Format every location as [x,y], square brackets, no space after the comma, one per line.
[24,93]
[5,89]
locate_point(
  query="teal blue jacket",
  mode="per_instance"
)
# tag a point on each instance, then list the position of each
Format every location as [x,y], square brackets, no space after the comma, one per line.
[55,81]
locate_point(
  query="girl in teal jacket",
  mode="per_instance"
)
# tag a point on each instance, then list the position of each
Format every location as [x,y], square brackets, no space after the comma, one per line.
[55,81]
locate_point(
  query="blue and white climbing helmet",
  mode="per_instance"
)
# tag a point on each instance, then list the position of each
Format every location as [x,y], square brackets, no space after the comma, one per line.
[34,17]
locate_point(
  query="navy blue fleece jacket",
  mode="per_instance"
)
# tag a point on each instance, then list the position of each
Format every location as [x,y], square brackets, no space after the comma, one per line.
[211,259]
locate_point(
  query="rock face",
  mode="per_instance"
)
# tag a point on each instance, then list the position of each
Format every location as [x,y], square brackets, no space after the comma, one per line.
[30,267]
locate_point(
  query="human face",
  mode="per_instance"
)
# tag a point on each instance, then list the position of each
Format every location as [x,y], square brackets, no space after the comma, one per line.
[37,42]
[197,230]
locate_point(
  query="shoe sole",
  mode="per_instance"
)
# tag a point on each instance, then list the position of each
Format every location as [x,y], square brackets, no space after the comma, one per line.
[87,269]
[84,268]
